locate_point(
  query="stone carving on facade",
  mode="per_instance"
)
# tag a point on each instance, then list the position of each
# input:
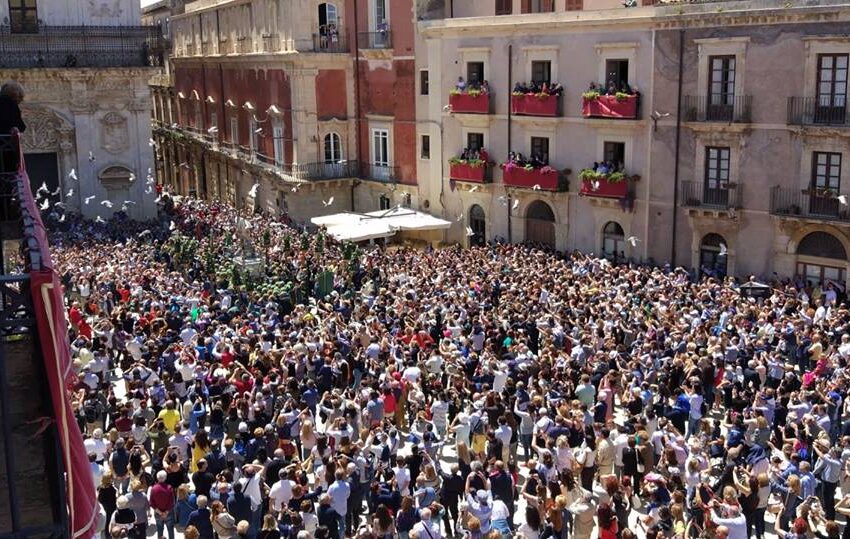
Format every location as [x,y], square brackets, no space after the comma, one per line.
[114,136]
[105,8]
[43,129]
[116,177]
[83,106]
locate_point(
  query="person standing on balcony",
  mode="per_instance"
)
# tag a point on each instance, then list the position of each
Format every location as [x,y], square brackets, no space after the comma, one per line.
[11,95]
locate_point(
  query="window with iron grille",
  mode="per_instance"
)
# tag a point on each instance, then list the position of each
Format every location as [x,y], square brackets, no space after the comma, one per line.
[541,71]
[826,170]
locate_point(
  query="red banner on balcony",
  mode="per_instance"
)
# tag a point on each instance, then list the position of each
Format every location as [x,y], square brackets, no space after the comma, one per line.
[604,188]
[470,104]
[608,106]
[468,173]
[534,105]
[52,327]
[516,176]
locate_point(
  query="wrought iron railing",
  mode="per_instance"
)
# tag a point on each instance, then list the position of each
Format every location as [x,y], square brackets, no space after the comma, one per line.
[817,204]
[271,43]
[83,46]
[324,171]
[375,40]
[333,40]
[824,111]
[244,45]
[701,195]
[730,109]
[380,173]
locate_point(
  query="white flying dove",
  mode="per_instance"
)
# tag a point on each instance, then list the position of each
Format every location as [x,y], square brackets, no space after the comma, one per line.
[328,202]
[70,193]
[99,219]
[73,174]
[516,204]
[91,156]
[253,192]
[723,249]
[474,188]
[88,199]
[172,226]
[842,199]
[106,203]
[469,231]
[536,187]
[45,205]
[633,240]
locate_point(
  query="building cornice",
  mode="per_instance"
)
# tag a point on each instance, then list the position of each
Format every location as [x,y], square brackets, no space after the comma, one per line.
[764,12]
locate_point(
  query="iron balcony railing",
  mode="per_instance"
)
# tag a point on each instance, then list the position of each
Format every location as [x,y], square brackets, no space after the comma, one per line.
[244,45]
[271,43]
[323,171]
[378,172]
[729,109]
[381,39]
[330,40]
[817,204]
[823,111]
[701,195]
[83,46]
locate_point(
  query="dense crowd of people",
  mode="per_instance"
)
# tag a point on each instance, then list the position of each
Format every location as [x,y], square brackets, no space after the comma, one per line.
[490,392]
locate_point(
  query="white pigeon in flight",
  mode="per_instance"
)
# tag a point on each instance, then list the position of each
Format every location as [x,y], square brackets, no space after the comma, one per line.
[460,217]
[45,205]
[151,143]
[516,204]
[633,241]
[106,203]
[328,202]
[62,219]
[253,192]
[73,174]
[212,130]
[91,156]
[723,249]
[70,193]
[474,189]
[469,231]
[536,187]
[172,226]
[88,199]
[43,188]
[842,199]
[99,219]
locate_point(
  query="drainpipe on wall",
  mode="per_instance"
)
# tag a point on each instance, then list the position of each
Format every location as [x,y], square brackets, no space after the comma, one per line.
[678,140]
[356,101]
[508,93]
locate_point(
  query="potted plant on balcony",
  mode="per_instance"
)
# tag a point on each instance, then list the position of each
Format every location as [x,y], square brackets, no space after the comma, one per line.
[474,99]
[536,99]
[599,101]
[531,173]
[470,165]
[604,180]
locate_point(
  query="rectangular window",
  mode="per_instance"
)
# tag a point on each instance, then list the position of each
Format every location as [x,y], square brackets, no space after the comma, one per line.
[826,171]
[234,130]
[540,149]
[380,14]
[425,147]
[199,120]
[474,72]
[716,167]
[475,141]
[832,80]
[423,82]
[381,147]
[504,7]
[614,152]
[538,6]
[721,80]
[277,135]
[253,136]
[23,16]
[213,122]
[575,5]
[541,71]
[617,73]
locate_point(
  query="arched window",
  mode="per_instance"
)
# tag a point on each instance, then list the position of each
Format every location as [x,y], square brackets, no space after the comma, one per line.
[477,224]
[822,245]
[812,251]
[540,224]
[333,148]
[712,255]
[613,241]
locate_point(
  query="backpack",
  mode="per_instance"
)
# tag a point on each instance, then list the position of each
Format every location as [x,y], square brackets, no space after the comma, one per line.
[90,411]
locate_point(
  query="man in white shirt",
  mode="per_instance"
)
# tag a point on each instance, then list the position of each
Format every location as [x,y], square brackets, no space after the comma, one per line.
[402,476]
[280,493]
[95,445]
[425,528]
[733,521]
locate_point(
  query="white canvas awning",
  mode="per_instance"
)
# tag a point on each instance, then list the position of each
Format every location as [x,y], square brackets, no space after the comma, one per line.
[348,226]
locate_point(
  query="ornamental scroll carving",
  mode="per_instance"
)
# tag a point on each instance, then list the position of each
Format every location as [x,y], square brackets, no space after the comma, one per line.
[114,137]
[43,126]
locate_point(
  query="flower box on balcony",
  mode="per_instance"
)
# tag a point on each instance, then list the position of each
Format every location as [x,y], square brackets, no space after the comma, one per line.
[534,104]
[468,172]
[601,186]
[546,178]
[609,106]
[470,102]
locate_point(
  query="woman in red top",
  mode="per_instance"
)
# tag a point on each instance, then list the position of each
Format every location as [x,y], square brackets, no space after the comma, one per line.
[607,522]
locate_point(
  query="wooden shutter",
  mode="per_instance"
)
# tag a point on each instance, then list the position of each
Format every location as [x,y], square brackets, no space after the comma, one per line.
[547,6]
[504,7]
[575,5]
[526,6]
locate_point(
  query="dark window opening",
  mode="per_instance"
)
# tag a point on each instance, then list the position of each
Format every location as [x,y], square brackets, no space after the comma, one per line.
[541,71]
[475,141]
[423,82]
[617,74]
[474,72]
[540,149]
[425,152]
[614,152]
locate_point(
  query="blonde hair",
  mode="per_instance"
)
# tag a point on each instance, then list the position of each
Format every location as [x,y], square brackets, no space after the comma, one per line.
[793,483]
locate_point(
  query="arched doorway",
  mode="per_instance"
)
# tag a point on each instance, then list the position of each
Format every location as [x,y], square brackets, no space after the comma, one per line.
[821,257]
[712,257]
[540,224]
[613,241]
[476,223]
